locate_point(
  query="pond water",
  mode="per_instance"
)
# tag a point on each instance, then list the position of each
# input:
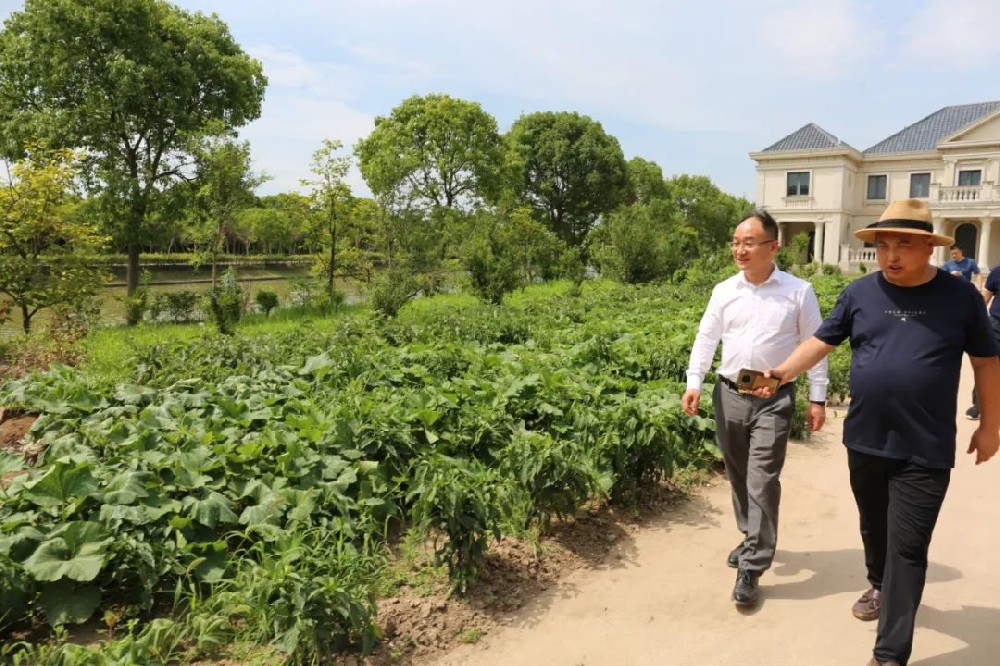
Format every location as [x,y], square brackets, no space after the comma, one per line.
[163,279]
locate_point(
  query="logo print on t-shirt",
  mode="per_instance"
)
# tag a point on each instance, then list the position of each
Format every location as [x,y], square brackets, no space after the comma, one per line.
[905,315]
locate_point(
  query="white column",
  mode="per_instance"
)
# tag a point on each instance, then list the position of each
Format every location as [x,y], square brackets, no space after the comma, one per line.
[939,252]
[818,242]
[985,233]
[781,234]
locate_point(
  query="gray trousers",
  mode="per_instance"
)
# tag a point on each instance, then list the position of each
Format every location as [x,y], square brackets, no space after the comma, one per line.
[752,434]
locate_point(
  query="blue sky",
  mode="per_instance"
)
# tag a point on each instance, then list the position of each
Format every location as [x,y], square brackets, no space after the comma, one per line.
[693,86]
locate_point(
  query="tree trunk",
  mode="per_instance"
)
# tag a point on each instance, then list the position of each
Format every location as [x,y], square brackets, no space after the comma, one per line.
[132,277]
[333,260]
[26,319]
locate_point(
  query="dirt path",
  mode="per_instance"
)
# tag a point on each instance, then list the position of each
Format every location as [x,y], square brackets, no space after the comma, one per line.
[665,598]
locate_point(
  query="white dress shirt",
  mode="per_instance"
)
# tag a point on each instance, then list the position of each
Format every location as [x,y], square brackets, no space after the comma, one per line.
[759,327]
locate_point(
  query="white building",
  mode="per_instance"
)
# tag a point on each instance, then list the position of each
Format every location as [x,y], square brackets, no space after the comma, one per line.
[814,183]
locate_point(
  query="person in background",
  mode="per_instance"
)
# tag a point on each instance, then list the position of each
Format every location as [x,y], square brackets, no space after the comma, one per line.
[760,315]
[961,266]
[990,289]
[909,325]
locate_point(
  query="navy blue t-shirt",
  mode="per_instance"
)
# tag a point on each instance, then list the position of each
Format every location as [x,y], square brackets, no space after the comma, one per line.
[908,344]
[993,286]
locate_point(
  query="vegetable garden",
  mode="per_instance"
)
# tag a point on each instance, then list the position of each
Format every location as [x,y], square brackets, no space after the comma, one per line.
[246,489]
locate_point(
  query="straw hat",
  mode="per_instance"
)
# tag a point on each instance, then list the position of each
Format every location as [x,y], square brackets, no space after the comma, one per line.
[906,216]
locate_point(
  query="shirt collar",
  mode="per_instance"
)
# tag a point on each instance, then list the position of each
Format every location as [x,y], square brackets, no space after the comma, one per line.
[777,276]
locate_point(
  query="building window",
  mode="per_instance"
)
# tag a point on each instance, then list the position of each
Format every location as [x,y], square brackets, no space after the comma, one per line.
[920,185]
[969,178]
[798,183]
[876,187]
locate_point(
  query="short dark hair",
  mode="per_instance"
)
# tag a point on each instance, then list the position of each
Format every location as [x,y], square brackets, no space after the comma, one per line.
[766,221]
[958,247]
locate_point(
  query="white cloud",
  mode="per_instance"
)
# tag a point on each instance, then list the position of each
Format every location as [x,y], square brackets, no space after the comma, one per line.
[306,102]
[955,35]
[822,41]
[288,69]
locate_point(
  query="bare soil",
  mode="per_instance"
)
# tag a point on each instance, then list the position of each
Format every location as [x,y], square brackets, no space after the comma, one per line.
[12,432]
[419,625]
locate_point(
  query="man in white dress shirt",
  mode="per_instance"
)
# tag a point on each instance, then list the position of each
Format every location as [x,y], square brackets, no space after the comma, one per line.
[760,314]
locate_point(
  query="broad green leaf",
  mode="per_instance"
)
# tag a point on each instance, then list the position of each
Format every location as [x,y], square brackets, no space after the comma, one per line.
[78,552]
[303,503]
[133,394]
[210,565]
[127,487]
[270,510]
[317,365]
[429,417]
[10,462]
[65,602]
[62,483]
[21,543]
[211,510]
[114,514]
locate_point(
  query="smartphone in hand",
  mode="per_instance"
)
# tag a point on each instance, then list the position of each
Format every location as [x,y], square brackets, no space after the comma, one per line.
[749,381]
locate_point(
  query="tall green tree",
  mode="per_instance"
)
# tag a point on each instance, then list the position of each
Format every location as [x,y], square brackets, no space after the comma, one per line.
[280,223]
[130,81]
[705,207]
[223,185]
[331,201]
[43,245]
[568,169]
[431,152]
[646,181]
[642,243]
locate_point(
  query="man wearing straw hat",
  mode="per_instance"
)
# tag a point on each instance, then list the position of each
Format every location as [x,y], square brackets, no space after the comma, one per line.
[909,325]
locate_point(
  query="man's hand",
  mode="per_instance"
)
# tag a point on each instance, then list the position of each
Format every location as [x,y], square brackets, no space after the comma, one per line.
[690,401]
[815,417]
[985,443]
[766,392]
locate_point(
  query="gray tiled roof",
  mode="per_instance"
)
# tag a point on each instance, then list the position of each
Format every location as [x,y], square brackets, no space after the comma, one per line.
[925,134]
[807,137]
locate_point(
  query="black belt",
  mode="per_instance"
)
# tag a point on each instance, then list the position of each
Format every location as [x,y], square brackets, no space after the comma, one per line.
[731,385]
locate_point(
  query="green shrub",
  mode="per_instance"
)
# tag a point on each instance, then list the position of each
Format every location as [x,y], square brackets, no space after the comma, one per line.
[555,475]
[493,271]
[391,290]
[266,300]
[225,303]
[179,305]
[460,499]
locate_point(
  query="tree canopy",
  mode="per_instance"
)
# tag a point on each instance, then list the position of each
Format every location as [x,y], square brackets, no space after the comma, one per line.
[432,152]
[568,169]
[42,243]
[131,82]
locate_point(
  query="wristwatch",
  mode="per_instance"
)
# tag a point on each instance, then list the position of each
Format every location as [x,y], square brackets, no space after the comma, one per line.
[821,403]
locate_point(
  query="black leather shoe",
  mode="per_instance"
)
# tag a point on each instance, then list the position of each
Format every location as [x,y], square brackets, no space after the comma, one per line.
[734,557]
[746,591]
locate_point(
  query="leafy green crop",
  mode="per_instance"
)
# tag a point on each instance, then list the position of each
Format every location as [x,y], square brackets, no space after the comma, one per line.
[254,481]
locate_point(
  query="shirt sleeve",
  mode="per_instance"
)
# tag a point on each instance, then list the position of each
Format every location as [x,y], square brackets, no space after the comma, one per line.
[705,342]
[975,268]
[993,281]
[979,338]
[809,321]
[837,326]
